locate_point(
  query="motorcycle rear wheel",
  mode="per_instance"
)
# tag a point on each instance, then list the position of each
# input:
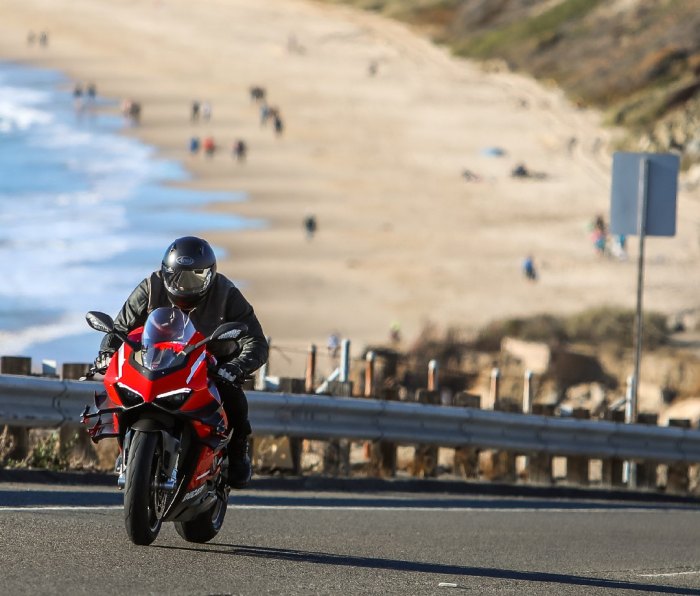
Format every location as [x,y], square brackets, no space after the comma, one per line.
[206,525]
[143,500]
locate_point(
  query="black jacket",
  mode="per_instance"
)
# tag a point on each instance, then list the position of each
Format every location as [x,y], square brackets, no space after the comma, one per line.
[223,303]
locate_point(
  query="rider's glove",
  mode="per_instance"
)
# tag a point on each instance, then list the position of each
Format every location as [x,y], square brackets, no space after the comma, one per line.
[102,361]
[230,372]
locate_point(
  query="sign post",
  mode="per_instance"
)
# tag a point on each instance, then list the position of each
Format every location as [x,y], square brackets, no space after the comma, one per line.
[643,202]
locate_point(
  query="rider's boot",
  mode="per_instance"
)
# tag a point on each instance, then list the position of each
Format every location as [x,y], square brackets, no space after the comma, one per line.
[239,466]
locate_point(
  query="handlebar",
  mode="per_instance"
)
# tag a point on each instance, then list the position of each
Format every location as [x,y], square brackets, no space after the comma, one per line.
[91,372]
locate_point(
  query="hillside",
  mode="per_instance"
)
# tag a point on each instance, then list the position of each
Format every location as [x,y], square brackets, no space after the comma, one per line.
[638,60]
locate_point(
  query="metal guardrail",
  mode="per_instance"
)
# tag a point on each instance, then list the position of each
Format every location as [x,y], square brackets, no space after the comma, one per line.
[39,402]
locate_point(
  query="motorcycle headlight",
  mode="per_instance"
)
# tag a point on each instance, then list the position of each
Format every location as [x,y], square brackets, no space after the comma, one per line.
[173,400]
[128,396]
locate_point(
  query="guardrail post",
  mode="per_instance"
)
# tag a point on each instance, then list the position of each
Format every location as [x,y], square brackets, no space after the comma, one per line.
[613,466]
[382,454]
[540,464]
[466,459]
[576,465]
[336,454]
[647,470]
[425,458]
[344,361]
[343,386]
[19,435]
[527,392]
[677,477]
[74,442]
[527,408]
[74,370]
[311,369]
[15,365]
[369,374]
[433,370]
[495,387]
[503,462]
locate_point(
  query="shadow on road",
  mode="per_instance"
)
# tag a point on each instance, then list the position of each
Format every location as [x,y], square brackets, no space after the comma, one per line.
[321,558]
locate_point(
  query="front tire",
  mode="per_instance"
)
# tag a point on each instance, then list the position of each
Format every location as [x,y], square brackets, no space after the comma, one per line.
[206,525]
[144,501]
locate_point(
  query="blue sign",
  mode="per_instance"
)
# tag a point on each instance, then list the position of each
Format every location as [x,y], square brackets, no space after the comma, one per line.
[629,183]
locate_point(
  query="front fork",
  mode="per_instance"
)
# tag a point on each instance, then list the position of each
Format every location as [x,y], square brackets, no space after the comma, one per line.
[171,456]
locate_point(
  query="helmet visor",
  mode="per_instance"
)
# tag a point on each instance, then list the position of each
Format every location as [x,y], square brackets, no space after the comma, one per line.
[186,282]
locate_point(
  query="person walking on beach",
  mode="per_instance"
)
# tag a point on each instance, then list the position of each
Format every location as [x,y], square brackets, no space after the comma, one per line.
[599,234]
[239,150]
[529,270]
[310,226]
[188,280]
[194,114]
[78,97]
[279,125]
[264,114]
[91,92]
[209,146]
[206,111]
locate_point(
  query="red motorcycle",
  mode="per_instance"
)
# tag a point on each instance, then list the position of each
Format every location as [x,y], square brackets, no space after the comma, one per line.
[166,413]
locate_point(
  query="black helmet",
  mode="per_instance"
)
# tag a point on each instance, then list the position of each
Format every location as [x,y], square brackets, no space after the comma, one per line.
[188,270]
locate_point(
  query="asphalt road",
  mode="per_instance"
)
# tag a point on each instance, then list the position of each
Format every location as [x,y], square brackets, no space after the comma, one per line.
[71,540]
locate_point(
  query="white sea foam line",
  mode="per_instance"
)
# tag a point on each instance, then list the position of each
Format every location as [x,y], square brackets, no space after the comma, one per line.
[669,574]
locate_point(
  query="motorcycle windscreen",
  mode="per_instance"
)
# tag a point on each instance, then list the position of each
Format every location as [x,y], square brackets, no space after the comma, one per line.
[166,333]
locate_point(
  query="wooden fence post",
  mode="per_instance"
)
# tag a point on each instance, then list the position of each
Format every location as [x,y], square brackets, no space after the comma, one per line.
[311,369]
[646,470]
[425,458]
[613,466]
[74,442]
[577,465]
[17,365]
[678,478]
[466,459]
[336,455]
[540,464]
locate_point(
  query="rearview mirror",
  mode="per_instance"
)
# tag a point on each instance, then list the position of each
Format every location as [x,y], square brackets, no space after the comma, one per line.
[99,321]
[229,331]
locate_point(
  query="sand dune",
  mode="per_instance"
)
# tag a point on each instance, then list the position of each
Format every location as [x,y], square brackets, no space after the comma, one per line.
[403,236]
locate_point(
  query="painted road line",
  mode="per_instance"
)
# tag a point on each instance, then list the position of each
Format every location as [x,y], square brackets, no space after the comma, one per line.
[366,508]
[670,574]
[60,508]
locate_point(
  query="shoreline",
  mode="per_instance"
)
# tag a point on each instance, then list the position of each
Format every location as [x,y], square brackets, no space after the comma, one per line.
[377,159]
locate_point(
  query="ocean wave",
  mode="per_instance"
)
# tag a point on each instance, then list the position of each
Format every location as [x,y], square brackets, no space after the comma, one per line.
[16,116]
[85,213]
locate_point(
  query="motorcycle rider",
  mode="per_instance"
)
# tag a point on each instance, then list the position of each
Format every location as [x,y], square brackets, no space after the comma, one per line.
[188,280]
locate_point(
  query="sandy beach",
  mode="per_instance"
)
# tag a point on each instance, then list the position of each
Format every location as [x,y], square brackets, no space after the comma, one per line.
[378,159]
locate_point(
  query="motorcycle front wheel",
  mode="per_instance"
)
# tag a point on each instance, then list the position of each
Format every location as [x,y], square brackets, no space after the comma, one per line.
[207,524]
[144,500]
